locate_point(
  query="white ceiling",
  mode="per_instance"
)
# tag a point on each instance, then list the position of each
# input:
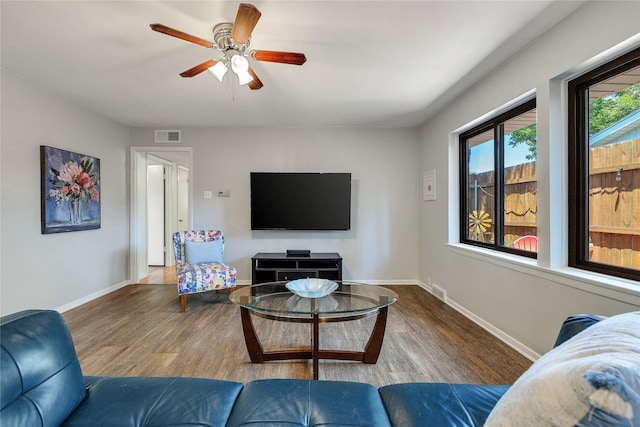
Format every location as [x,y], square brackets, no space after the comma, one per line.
[369,63]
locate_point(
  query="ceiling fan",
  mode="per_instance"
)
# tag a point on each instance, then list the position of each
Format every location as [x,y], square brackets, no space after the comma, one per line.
[232,40]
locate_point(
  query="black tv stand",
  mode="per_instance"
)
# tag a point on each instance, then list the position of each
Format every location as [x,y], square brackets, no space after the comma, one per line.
[275,267]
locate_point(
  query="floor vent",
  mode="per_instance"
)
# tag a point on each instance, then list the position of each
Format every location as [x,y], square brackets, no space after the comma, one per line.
[439,292]
[168,136]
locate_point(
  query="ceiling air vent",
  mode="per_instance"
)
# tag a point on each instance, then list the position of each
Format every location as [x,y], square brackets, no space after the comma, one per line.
[168,136]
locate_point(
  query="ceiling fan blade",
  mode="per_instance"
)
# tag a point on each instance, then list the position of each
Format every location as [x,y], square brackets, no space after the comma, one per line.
[254,84]
[280,57]
[246,20]
[179,34]
[198,68]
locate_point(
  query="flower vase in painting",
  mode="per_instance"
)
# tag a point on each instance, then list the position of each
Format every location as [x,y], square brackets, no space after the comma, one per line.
[76,212]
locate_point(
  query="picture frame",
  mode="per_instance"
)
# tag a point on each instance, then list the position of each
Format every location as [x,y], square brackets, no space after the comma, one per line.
[429,185]
[69,191]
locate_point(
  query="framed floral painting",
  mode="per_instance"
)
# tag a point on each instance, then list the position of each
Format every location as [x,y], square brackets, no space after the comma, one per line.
[70,191]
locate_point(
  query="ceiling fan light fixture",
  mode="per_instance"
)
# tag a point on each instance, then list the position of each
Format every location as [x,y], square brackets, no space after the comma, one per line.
[218,70]
[244,78]
[240,66]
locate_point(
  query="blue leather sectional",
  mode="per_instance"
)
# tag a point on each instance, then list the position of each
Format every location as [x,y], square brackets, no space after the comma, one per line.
[42,385]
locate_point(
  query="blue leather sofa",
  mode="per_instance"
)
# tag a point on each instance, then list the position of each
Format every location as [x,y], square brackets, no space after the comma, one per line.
[42,385]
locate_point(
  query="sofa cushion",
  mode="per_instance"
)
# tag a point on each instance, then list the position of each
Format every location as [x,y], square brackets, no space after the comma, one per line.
[155,402]
[304,403]
[575,324]
[593,379]
[41,378]
[439,404]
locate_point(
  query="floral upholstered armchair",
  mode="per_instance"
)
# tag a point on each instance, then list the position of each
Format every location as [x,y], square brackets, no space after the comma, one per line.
[199,263]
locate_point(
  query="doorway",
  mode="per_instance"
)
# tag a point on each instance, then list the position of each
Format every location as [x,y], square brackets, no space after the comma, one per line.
[176,163]
[183,199]
[156,209]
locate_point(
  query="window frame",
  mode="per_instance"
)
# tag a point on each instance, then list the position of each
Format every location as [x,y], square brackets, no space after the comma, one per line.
[578,165]
[495,123]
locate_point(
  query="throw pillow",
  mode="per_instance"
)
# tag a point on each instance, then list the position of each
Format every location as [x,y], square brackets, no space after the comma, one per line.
[203,252]
[593,379]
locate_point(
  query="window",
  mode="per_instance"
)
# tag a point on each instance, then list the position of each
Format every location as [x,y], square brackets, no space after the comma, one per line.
[498,194]
[604,168]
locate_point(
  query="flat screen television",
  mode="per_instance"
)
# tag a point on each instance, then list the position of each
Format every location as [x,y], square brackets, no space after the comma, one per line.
[300,201]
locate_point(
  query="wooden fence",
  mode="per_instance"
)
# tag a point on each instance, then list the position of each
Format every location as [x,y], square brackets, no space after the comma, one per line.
[614,202]
[520,200]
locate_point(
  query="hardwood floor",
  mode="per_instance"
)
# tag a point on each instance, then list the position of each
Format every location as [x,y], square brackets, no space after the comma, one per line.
[139,330]
[160,275]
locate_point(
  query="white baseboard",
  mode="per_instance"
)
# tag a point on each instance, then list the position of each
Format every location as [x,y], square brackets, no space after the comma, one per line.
[384,282]
[501,335]
[91,297]
[105,291]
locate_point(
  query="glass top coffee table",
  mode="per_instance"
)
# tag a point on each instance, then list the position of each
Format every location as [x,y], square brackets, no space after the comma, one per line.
[350,301]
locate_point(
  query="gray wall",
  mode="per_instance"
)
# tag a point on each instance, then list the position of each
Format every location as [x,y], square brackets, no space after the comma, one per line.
[514,297]
[382,244]
[49,271]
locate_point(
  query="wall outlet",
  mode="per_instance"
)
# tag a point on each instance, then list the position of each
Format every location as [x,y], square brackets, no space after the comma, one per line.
[439,293]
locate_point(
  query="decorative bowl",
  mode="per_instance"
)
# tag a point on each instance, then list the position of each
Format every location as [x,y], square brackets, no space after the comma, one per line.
[312,288]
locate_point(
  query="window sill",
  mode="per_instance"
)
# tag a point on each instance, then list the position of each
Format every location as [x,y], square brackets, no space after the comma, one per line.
[627,291]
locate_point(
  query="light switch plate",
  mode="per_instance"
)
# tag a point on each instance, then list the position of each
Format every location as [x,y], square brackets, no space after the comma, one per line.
[207,194]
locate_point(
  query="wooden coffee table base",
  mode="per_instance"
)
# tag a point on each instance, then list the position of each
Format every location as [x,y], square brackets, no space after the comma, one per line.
[369,355]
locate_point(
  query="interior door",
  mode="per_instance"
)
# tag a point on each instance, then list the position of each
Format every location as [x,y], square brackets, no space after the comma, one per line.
[183,198]
[156,214]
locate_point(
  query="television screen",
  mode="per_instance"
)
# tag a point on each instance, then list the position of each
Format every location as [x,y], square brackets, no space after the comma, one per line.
[300,201]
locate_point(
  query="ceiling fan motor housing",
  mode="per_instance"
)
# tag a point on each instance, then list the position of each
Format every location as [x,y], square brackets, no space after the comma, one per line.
[223,40]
